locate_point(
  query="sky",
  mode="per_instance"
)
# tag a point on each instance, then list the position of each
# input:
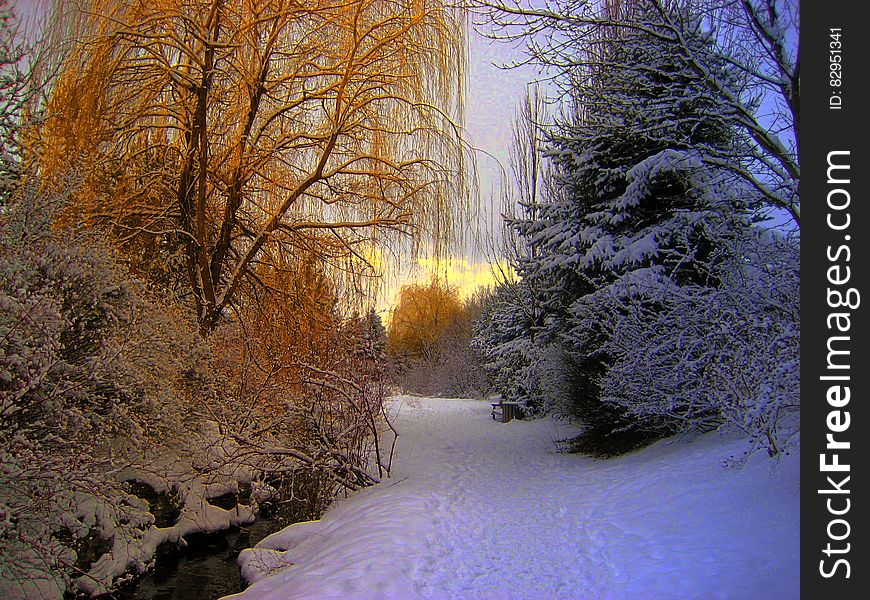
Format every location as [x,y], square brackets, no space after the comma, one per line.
[492,96]
[26,8]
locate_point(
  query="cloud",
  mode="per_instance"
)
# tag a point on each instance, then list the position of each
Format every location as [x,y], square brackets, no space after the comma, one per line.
[457,272]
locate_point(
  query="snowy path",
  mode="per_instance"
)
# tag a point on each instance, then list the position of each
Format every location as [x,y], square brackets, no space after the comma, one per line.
[479,509]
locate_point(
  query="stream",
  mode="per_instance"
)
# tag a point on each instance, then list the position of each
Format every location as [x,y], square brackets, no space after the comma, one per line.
[205,570]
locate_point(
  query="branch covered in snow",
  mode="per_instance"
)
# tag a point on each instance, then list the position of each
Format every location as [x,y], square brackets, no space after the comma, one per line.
[751,79]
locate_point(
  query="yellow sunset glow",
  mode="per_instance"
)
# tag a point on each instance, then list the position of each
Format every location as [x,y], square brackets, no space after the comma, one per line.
[458,272]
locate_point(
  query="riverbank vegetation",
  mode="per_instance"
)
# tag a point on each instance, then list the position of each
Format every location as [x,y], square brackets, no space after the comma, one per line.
[192,194]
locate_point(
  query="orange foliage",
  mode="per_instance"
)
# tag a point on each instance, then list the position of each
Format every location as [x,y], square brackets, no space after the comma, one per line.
[290,321]
[208,133]
[421,319]
[293,367]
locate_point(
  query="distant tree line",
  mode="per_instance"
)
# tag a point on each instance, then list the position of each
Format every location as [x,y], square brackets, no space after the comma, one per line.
[429,341]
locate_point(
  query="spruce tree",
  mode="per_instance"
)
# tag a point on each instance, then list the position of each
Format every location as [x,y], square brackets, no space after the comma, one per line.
[639,207]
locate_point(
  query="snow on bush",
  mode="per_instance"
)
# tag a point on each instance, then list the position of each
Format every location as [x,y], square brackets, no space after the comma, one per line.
[101,382]
[696,357]
[92,372]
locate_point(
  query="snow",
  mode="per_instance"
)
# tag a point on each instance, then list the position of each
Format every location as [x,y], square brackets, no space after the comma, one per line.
[137,552]
[480,509]
[134,544]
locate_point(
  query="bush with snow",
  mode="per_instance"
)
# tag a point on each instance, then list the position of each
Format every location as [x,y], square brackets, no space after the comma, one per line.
[685,358]
[92,373]
[102,382]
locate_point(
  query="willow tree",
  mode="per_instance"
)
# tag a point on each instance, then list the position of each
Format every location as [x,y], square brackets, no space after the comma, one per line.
[206,131]
[422,318]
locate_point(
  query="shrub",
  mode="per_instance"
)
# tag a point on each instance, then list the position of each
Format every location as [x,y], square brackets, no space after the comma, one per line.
[92,372]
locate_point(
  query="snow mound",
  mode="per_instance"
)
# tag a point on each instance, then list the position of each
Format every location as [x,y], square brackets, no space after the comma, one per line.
[479,509]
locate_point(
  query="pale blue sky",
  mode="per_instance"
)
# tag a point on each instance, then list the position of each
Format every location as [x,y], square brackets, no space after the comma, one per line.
[492,96]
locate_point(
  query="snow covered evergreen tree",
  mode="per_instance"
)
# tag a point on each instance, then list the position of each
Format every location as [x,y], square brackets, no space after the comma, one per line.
[654,230]
[637,201]
[716,356]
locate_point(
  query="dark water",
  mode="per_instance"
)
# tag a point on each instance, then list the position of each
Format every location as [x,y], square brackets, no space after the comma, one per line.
[205,570]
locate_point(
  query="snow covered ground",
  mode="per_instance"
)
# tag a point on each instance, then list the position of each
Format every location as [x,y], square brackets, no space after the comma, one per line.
[479,509]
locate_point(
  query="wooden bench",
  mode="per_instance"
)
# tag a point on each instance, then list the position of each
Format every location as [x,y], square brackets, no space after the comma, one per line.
[504,410]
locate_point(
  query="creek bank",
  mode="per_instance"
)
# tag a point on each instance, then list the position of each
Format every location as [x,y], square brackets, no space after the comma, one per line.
[190,548]
[205,569]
